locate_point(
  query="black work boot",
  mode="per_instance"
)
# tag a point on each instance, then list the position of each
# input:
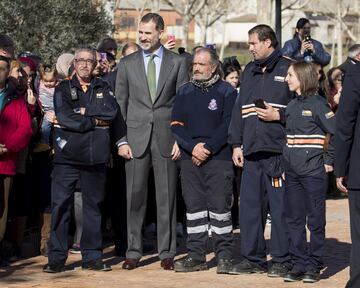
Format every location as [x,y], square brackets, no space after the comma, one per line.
[224,266]
[294,275]
[189,264]
[279,269]
[311,276]
[246,267]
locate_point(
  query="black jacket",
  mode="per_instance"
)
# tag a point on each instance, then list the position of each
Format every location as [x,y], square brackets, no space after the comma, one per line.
[77,139]
[292,49]
[308,119]
[347,134]
[246,129]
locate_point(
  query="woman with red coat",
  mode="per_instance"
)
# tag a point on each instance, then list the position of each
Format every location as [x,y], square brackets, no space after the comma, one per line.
[15,133]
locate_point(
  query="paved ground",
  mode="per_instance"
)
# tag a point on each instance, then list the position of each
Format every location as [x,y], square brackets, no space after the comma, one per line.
[27,273]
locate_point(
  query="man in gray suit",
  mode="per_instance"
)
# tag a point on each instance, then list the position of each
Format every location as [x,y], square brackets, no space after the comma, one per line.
[146,84]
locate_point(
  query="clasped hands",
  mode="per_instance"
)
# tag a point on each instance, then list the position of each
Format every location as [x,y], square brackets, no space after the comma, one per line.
[200,154]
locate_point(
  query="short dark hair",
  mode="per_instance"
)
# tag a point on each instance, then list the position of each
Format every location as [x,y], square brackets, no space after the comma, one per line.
[265,32]
[6,42]
[307,75]
[229,68]
[156,18]
[196,48]
[5,59]
[128,46]
[181,50]
[107,43]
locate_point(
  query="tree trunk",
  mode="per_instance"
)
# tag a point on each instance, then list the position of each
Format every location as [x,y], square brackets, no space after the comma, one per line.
[185,39]
[333,49]
[203,29]
[222,50]
[339,34]
[264,11]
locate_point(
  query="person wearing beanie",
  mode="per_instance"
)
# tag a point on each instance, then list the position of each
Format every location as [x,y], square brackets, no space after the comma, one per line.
[63,64]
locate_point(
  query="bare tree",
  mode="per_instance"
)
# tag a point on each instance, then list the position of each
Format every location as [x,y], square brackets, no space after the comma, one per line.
[187,9]
[266,9]
[212,12]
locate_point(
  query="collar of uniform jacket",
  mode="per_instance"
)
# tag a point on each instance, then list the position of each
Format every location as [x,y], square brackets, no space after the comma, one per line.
[95,82]
[269,62]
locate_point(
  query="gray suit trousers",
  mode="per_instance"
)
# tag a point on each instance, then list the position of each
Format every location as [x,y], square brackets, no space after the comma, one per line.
[165,174]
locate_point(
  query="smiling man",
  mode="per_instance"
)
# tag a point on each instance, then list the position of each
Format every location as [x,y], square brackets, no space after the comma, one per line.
[257,136]
[147,82]
[84,108]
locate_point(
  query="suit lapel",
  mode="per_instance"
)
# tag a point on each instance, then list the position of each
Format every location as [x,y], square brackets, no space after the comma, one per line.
[165,69]
[139,68]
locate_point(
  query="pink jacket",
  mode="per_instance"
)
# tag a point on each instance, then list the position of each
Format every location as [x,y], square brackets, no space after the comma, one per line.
[15,129]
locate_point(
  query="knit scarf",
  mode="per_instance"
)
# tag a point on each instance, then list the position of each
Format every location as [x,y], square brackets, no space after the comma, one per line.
[269,61]
[205,84]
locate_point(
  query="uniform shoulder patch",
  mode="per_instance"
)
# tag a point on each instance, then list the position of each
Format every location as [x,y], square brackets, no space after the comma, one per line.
[306,113]
[329,115]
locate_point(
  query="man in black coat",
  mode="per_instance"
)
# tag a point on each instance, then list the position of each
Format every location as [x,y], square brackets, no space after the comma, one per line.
[85,107]
[347,165]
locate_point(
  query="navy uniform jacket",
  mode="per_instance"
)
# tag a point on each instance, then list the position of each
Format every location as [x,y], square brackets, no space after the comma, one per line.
[77,139]
[347,134]
[246,129]
[308,119]
[203,116]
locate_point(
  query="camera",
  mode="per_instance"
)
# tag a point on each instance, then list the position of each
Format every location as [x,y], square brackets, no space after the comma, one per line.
[307,38]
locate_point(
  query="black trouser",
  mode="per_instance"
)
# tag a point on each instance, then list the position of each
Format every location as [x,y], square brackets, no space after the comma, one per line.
[207,192]
[305,206]
[256,187]
[117,182]
[354,206]
[92,182]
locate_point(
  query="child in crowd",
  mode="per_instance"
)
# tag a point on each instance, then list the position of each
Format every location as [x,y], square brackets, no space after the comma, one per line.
[48,81]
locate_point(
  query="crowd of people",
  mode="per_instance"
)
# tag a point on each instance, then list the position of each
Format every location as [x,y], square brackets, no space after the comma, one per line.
[90,137]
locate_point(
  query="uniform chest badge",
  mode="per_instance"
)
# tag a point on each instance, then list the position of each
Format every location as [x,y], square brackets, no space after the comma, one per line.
[213,105]
[279,78]
[99,95]
[306,113]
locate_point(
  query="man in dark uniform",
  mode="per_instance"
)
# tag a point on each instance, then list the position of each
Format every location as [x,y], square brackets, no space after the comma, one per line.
[200,121]
[84,107]
[257,135]
[347,165]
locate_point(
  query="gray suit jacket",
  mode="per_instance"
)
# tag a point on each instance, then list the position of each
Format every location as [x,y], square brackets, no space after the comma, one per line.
[143,118]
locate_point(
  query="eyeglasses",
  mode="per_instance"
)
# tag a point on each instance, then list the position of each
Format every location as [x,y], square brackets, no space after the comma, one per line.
[84,61]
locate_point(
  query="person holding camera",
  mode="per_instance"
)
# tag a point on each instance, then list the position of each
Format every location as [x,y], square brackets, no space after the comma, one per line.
[303,47]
